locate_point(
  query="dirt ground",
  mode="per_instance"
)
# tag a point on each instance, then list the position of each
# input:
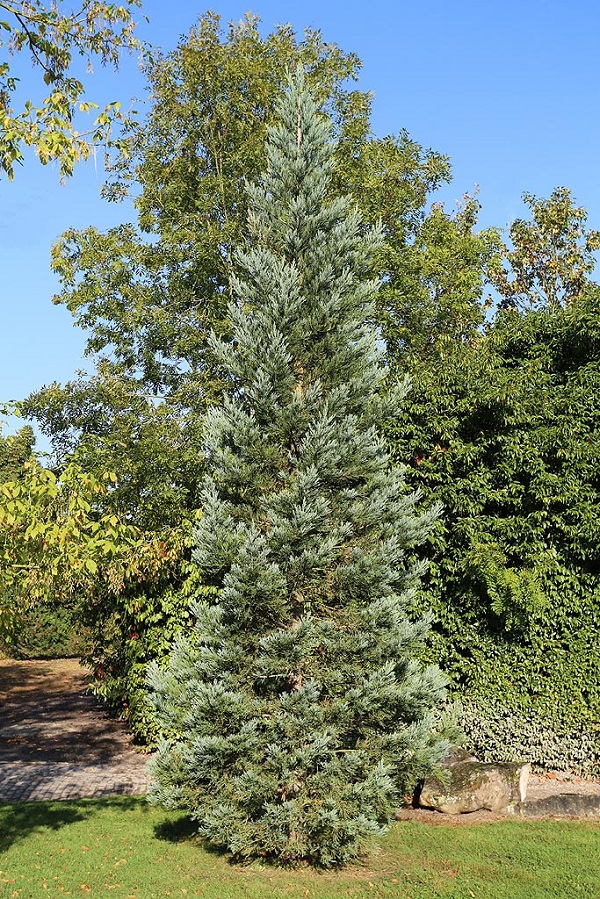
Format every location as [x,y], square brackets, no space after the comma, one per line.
[45,712]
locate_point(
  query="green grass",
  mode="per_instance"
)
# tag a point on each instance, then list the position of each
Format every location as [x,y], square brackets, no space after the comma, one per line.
[125,848]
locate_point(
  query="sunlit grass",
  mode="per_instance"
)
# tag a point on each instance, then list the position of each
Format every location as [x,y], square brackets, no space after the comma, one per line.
[125,848]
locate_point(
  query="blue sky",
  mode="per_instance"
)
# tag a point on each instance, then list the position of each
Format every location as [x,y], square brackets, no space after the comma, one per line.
[508,90]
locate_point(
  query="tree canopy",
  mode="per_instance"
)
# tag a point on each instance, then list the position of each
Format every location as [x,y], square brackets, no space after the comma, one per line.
[56,36]
[15,450]
[550,257]
[150,292]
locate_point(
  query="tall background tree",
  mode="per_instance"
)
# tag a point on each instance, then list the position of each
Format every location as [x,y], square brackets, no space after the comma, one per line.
[150,292]
[551,257]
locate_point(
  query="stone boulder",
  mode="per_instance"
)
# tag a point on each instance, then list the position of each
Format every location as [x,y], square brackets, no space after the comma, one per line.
[467,785]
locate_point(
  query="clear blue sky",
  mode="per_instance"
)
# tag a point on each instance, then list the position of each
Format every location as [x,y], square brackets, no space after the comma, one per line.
[510,91]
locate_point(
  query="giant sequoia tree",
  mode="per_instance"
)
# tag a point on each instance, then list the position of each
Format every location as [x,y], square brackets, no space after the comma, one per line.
[296,712]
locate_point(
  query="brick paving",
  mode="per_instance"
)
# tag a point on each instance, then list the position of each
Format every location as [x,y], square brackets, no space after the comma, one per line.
[57,741]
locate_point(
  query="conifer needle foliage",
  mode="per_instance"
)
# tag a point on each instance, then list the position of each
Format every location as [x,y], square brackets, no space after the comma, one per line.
[295,711]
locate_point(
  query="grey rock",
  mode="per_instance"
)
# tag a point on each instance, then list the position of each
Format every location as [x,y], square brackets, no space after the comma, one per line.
[562,805]
[466,785]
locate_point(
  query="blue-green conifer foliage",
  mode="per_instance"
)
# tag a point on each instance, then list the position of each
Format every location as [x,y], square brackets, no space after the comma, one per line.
[295,712]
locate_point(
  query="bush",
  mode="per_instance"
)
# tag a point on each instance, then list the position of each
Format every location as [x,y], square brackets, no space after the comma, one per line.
[505,436]
[49,631]
[135,629]
[495,733]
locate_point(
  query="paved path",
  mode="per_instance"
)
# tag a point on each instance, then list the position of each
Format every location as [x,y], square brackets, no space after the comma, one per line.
[57,742]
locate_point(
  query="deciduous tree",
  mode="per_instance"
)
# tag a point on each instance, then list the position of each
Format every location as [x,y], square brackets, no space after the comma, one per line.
[149,294]
[56,542]
[551,257]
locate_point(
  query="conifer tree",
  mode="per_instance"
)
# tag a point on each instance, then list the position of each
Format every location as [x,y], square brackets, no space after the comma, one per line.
[296,712]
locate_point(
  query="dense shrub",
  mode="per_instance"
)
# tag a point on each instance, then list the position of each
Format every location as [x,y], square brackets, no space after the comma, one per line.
[495,732]
[138,627]
[48,631]
[506,435]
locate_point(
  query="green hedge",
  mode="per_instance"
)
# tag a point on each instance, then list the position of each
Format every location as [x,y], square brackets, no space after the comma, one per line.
[495,732]
[49,631]
[506,435]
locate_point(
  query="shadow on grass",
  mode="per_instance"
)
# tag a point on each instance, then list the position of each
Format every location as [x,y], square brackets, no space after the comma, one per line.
[184,830]
[19,820]
[176,831]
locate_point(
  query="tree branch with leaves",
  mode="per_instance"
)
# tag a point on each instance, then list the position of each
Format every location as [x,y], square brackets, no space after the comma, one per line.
[551,257]
[57,540]
[56,35]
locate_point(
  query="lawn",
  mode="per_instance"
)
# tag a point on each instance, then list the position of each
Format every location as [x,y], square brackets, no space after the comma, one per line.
[125,848]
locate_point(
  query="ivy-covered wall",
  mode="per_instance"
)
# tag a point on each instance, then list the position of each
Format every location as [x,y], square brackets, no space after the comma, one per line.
[505,433]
